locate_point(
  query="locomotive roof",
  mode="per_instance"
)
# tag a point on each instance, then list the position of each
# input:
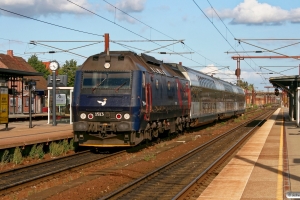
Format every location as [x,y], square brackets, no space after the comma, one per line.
[128,60]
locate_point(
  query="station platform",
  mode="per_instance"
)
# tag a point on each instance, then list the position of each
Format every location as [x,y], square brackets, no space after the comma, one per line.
[19,134]
[266,167]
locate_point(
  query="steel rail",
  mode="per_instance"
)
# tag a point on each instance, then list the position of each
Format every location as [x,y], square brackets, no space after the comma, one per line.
[22,175]
[125,189]
[217,162]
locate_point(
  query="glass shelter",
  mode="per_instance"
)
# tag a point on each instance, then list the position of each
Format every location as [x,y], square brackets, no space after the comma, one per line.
[63,105]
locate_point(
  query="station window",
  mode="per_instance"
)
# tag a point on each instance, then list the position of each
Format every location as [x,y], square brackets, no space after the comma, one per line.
[26,101]
[12,101]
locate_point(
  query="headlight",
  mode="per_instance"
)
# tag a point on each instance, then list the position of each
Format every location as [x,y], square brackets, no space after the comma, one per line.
[126,116]
[82,115]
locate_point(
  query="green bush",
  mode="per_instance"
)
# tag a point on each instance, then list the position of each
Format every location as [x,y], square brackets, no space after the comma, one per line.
[72,144]
[32,152]
[17,157]
[5,157]
[65,145]
[40,151]
[37,152]
[56,149]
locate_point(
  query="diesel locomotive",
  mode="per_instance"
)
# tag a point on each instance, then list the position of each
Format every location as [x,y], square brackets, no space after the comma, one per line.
[121,99]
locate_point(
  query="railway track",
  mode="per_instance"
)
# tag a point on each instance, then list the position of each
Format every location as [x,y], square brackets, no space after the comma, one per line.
[12,179]
[174,179]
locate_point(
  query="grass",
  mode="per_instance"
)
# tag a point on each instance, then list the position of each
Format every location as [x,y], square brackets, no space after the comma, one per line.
[149,157]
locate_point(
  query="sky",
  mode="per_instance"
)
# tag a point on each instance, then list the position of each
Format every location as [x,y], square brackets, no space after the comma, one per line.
[202,34]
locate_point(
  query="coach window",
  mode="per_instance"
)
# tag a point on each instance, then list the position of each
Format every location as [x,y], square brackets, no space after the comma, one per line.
[169,85]
[156,83]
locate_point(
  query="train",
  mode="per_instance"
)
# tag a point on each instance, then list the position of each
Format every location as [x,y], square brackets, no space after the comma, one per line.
[121,98]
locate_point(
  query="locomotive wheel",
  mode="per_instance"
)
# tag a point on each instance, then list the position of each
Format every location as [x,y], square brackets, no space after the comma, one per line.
[179,124]
[155,133]
[147,134]
[179,127]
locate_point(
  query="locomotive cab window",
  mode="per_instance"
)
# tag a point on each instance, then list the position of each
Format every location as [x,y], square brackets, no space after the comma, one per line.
[107,80]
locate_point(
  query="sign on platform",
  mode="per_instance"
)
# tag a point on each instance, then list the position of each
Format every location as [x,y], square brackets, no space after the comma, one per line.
[60,99]
[4,105]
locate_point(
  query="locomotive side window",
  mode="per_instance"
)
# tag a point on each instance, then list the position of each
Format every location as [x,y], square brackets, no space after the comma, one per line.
[144,80]
[106,80]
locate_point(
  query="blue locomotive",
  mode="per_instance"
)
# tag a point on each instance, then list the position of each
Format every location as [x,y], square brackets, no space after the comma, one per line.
[121,99]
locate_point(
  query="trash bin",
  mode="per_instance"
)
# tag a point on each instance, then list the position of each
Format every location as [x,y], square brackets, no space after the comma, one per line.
[45,109]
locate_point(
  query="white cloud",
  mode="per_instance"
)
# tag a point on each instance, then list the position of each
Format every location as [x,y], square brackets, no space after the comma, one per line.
[254,13]
[295,15]
[128,6]
[226,74]
[208,69]
[131,5]
[42,7]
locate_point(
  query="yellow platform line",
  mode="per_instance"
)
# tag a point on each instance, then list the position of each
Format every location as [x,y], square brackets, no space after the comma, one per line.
[280,165]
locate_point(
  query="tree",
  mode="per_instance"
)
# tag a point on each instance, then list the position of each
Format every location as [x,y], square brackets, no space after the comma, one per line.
[69,68]
[245,85]
[38,65]
[242,84]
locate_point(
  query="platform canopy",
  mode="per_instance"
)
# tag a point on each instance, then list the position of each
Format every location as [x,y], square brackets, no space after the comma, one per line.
[286,83]
[290,84]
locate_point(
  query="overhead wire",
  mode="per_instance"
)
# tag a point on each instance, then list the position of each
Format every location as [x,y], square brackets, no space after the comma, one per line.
[28,56]
[158,31]
[226,32]
[76,30]
[72,29]
[127,29]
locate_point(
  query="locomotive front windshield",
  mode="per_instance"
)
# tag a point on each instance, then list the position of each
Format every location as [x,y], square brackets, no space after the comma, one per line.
[107,80]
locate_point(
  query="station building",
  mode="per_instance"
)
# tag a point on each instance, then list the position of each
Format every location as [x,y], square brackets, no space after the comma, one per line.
[14,73]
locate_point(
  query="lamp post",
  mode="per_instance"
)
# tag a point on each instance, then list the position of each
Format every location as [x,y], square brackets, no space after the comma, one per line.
[54,66]
[32,85]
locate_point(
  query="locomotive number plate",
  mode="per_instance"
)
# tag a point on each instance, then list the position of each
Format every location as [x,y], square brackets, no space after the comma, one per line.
[99,114]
